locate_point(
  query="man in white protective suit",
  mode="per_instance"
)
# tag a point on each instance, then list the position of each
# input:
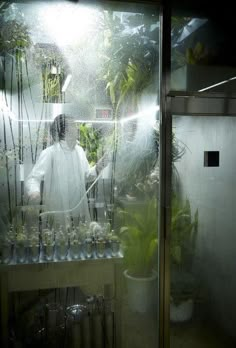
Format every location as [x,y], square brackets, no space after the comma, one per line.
[64,170]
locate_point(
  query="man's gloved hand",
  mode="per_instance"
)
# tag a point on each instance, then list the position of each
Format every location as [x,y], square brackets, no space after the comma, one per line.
[103,162]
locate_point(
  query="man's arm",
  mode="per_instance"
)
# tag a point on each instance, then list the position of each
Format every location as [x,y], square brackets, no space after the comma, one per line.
[92,172]
[103,162]
[32,184]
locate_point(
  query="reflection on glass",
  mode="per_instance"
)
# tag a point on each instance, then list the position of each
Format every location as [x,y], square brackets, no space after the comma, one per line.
[76,249]
[54,320]
[79,138]
[183,249]
[74,316]
[48,252]
[115,247]
[34,251]
[6,252]
[200,57]
[21,245]
[100,247]
[88,247]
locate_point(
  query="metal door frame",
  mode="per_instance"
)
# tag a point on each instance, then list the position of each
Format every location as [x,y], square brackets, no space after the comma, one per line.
[197,104]
[187,105]
[174,103]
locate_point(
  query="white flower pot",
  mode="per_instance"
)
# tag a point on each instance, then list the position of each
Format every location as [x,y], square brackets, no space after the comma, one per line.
[142,292]
[182,311]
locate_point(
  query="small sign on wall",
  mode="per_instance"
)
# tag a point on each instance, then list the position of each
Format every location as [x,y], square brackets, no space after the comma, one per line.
[103,114]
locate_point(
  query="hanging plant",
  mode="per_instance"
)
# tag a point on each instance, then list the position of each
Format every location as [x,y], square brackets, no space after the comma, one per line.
[14,44]
[50,61]
[51,83]
[130,53]
[13,36]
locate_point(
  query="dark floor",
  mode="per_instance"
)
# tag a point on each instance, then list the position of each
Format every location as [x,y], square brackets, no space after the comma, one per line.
[196,335]
[141,331]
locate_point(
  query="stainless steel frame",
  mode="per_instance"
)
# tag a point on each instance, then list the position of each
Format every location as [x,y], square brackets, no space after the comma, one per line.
[184,104]
[165,176]
[203,106]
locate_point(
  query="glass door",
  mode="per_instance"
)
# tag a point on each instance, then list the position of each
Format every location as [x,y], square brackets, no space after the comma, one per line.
[79,174]
[202,238]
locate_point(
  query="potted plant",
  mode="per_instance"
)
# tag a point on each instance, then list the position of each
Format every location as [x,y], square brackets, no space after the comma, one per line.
[50,61]
[34,246]
[184,228]
[5,249]
[61,243]
[139,240]
[75,244]
[21,244]
[48,244]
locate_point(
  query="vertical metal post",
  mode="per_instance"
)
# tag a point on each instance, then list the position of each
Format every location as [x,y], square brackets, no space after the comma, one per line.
[165,175]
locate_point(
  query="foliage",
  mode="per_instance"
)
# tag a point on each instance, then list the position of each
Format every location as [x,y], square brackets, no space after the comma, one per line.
[178,24]
[50,61]
[139,238]
[184,230]
[47,237]
[130,57]
[197,55]
[139,167]
[13,36]
[130,53]
[185,48]
[90,141]
[21,236]
[14,33]
[47,54]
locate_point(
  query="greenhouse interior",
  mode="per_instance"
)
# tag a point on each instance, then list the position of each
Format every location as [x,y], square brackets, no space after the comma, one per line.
[117,121]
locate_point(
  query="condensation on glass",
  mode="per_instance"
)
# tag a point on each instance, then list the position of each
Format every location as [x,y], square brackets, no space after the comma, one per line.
[202,243]
[79,173]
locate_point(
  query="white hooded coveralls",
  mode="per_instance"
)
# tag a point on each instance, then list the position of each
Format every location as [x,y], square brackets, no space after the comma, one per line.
[64,172]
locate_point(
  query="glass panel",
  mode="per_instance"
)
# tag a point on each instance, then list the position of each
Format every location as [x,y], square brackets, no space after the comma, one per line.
[202,52]
[202,246]
[79,140]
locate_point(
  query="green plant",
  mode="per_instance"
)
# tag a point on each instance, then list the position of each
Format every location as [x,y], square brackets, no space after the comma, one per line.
[14,36]
[135,171]
[90,140]
[184,229]
[197,55]
[33,240]
[139,238]
[49,59]
[130,52]
[185,49]
[21,237]
[47,237]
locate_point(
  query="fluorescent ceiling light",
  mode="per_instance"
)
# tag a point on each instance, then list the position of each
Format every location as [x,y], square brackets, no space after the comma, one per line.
[56,109]
[147,115]
[66,83]
[217,84]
